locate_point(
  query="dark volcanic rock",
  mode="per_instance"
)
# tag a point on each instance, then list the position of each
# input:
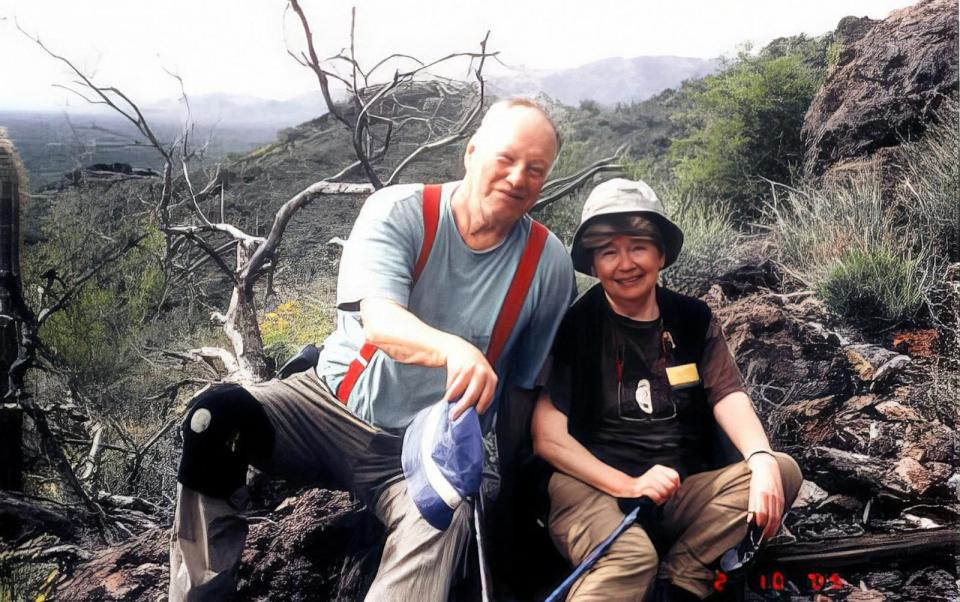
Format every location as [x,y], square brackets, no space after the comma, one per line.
[888,84]
[932,585]
[849,31]
[297,557]
[815,390]
[780,354]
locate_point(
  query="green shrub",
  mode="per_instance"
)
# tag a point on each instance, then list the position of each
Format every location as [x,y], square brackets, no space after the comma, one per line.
[751,115]
[878,284]
[94,334]
[853,246]
[711,243]
[293,324]
[874,250]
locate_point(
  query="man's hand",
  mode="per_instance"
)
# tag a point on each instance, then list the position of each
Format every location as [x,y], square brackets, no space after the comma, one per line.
[659,484]
[766,501]
[470,379]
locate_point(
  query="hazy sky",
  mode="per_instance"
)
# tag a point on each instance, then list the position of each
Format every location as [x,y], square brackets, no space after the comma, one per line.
[239,46]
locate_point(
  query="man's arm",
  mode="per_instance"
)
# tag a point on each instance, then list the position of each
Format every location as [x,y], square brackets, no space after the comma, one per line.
[407,339]
[553,442]
[735,415]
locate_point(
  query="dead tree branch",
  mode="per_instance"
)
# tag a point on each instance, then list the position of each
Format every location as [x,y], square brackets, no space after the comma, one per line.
[314,64]
[561,187]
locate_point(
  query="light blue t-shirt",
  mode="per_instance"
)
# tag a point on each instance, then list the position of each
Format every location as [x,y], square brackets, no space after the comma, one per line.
[460,291]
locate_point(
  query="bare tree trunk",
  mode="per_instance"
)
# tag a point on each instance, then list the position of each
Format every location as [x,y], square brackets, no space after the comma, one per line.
[242,329]
[241,326]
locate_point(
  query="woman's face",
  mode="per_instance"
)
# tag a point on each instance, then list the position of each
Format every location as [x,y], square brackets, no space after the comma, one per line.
[628,267]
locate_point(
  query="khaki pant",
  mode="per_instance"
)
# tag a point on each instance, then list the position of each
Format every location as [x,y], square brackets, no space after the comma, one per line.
[705,518]
[318,440]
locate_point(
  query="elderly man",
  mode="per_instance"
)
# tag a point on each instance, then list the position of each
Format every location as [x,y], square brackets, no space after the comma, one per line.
[445,293]
[639,379]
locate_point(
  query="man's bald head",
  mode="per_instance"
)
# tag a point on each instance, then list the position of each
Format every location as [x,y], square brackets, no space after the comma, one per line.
[499,111]
[507,162]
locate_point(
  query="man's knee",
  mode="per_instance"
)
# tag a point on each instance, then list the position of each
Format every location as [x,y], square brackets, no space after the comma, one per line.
[224,431]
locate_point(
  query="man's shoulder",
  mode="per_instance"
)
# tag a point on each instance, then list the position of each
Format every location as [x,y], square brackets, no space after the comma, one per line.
[390,197]
[555,252]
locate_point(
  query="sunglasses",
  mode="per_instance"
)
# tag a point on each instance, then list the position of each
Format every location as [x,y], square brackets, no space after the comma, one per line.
[642,400]
[637,406]
[738,560]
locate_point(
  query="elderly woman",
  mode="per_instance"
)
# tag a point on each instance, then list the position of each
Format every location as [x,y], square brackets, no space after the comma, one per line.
[640,378]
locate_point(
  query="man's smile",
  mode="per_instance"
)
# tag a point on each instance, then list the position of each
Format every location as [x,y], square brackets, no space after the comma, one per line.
[515,194]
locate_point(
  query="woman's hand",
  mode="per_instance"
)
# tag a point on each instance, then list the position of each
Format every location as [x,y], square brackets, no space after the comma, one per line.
[765,505]
[659,484]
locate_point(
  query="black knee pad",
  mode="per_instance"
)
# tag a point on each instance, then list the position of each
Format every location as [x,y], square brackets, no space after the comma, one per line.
[225,430]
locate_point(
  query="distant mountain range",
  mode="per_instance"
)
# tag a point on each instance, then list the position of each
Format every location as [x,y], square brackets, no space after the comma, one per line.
[210,109]
[54,142]
[607,81]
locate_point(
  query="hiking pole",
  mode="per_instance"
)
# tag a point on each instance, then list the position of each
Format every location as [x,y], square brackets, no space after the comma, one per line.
[481,550]
[600,550]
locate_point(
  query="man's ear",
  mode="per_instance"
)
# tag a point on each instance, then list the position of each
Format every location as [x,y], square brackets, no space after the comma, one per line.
[471,148]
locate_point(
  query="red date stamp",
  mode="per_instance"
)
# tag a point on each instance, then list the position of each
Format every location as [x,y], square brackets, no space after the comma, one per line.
[776,581]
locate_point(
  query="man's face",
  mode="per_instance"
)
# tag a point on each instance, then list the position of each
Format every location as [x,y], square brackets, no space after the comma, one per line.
[627,268]
[508,162]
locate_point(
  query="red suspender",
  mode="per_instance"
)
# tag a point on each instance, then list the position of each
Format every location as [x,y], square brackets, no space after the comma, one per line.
[512,303]
[354,370]
[517,293]
[431,220]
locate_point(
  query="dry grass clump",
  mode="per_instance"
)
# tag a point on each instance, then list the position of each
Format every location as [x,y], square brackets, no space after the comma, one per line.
[875,252]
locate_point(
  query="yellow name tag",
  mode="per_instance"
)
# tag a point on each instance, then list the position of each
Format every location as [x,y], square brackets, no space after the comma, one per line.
[683,376]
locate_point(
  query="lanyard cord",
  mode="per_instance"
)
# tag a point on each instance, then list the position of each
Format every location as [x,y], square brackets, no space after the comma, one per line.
[666,347]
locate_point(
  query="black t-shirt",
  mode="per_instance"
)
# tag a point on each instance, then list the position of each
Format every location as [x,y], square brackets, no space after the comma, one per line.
[643,419]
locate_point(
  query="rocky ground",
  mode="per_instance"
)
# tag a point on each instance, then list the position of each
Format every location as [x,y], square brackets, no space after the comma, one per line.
[871,422]
[873,428]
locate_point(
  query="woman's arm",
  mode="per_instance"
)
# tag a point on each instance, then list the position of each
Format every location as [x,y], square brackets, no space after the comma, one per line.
[553,442]
[735,415]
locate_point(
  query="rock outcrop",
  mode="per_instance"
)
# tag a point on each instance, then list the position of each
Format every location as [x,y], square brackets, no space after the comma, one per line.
[857,414]
[889,80]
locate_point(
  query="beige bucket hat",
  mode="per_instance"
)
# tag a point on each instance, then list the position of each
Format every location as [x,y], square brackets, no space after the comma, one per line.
[622,197]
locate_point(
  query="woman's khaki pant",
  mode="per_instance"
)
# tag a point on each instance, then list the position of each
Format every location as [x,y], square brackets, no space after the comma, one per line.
[705,518]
